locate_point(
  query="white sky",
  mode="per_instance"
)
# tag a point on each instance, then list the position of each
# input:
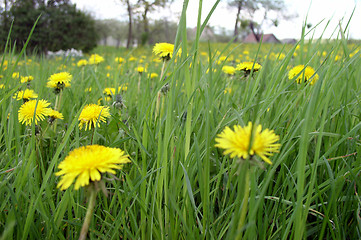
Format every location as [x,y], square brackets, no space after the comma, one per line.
[224,16]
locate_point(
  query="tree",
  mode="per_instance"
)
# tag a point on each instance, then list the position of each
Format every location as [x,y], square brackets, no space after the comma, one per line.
[103,29]
[131,5]
[117,30]
[145,7]
[60,26]
[249,7]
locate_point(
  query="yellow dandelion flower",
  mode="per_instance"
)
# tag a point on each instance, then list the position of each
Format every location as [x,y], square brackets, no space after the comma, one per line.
[163,50]
[247,67]
[15,75]
[95,59]
[82,63]
[132,59]
[26,79]
[227,90]
[221,59]
[25,95]
[229,70]
[153,75]
[237,143]
[55,114]
[119,60]
[140,69]
[303,74]
[109,91]
[2,86]
[87,164]
[29,109]
[123,87]
[92,115]
[105,99]
[59,80]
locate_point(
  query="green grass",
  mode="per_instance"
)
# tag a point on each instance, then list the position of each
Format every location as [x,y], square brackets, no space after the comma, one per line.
[179,185]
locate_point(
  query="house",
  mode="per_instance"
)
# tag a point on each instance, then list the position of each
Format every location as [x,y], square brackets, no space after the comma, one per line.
[267,38]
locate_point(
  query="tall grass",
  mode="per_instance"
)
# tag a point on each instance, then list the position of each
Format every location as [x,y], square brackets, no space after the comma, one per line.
[179,186]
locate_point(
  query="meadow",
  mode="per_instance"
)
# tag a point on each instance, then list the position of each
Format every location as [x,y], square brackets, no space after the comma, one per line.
[166,114]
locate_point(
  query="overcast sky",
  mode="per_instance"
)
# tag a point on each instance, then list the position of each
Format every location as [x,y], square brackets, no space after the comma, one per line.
[315,10]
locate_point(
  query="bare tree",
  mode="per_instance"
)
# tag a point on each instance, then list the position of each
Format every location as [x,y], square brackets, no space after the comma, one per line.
[131,5]
[249,7]
[145,7]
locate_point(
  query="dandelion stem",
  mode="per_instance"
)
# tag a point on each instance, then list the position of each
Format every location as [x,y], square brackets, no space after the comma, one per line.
[91,140]
[162,72]
[244,205]
[157,107]
[89,213]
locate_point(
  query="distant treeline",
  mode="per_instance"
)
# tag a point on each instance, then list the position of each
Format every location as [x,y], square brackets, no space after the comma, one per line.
[60,26]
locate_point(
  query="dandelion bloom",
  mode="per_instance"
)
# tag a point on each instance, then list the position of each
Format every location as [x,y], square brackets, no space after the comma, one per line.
[227,90]
[119,60]
[25,95]
[95,59]
[140,69]
[163,50]
[15,75]
[303,74]
[26,79]
[109,91]
[92,115]
[59,80]
[82,63]
[224,58]
[27,110]
[2,86]
[86,164]
[237,142]
[123,87]
[228,70]
[247,67]
[55,114]
[153,75]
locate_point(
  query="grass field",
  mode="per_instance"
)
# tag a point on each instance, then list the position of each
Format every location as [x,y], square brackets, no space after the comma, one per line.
[179,185]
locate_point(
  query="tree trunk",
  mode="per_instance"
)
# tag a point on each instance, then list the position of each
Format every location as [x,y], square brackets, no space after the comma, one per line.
[256,35]
[130,32]
[145,35]
[237,21]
